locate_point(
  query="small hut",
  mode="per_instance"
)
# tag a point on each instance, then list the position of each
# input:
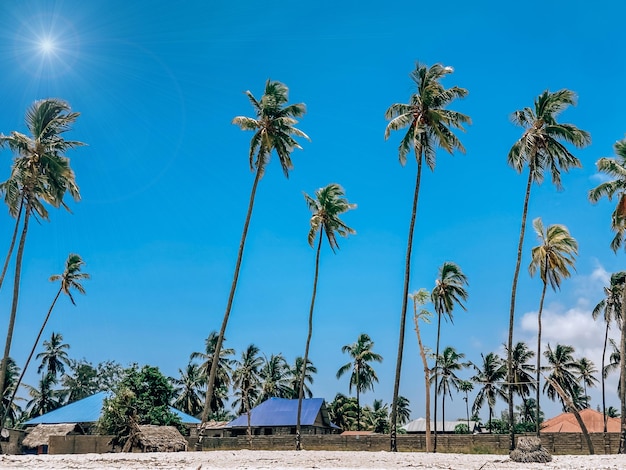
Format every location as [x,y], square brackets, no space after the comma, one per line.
[152,438]
[38,438]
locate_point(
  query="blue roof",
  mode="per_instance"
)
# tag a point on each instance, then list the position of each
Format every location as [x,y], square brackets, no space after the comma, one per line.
[88,410]
[283,412]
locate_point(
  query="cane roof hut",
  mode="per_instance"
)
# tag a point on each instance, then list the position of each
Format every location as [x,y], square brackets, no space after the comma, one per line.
[152,438]
[38,437]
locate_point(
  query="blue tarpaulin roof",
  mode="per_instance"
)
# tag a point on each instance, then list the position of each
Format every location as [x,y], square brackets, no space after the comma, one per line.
[88,410]
[283,412]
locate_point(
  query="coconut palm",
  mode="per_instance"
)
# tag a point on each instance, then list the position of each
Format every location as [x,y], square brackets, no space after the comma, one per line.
[40,174]
[420,298]
[188,390]
[446,366]
[327,207]
[466,386]
[553,259]
[540,148]
[611,309]
[585,375]
[8,407]
[449,291]
[295,372]
[489,377]
[376,417]
[56,360]
[274,129]
[45,398]
[274,377]
[246,381]
[343,411]
[224,369]
[430,125]
[616,168]
[523,381]
[362,374]
[563,368]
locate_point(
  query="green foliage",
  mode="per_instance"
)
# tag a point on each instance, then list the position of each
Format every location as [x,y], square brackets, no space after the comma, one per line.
[498,426]
[142,397]
[461,429]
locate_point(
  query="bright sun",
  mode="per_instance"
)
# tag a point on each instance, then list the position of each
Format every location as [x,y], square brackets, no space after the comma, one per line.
[47,45]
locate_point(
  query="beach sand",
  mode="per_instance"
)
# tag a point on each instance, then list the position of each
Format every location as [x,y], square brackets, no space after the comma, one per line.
[246,459]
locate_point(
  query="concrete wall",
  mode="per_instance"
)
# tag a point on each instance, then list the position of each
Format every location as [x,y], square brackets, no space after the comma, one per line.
[557,444]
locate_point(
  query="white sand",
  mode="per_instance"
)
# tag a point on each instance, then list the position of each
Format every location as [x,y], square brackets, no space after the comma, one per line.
[245,459]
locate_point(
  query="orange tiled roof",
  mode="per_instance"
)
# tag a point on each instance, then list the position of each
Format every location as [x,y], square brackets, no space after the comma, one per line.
[566,422]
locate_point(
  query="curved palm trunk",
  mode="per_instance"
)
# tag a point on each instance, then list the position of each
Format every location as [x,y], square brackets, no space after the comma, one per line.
[30,356]
[436,377]
[16,293]
[426,379]
[622,378]
[537,411]
[308,343]
[405,298]
[231,296]
[509,359]
[606,339]
[12,245]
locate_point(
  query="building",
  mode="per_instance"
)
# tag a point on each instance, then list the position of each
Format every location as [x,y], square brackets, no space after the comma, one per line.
[594,422]
[418,426]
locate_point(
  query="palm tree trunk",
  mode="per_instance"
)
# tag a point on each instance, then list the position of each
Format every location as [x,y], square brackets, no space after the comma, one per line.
[443,412]
[16,293]
[509,359]
[308,343]
[606,339]
[436,377]
[231,296]
[12,245]
[30,356]
[543,295]
[358,400]
[467,411]
[622,378]
[426,379]
[405,299]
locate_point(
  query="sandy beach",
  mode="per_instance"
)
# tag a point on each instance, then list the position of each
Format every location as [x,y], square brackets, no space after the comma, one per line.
[245,459]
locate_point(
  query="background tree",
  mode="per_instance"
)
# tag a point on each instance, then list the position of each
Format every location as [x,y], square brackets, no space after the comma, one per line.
[343,411]
[274,377]
[273,127]
[466,386]
[45,398]
[188,390]
[246,382]
[295,377]
[40,173]
[449,291]
[489,377]
[327,207]
[447,365]
[553,258]
[54,357]
[540,148]
[81,382]
[8,406]
[430,125]
[616,168]
[420,298]
[585,375]
[362,374]
[562,367]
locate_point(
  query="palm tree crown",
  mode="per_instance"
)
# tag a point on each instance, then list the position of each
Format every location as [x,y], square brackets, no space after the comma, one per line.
[71,276]
[555,255]
[54,358]
[328,205]
[449,289]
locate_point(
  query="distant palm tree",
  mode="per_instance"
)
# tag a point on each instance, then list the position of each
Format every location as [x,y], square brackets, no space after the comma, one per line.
[611,307]
[420,298]
[447,365]
[343,412]
[45,398]
[449,291]
[362,374]
[8,407]
[430,125]
[523,381]
[553,258]
[376,417]
[188,390]
[612,412]
[295,374]
[404,412]
[54,358]
[70,280]
[274,377]
[563,368]
[586,369]
[274,128]
[327,207]
[466,386]
[246,381]
[540,148]
[489,377]
[40,173]
[616,168]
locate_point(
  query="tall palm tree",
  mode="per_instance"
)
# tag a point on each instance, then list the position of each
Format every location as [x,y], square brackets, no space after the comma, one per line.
[274,129]
[274,376]
[295,374]
[616,168]
[563,368]
[430,125]
[540,148]
[70,280]
[489,377]
[420,298]
[362,374]
[40,173]
[327,207]
[449,291]
[611,307]
[446,366]
[553,259]
[246,381]
[466,386]
[189,390]
[223,372]
[523,381]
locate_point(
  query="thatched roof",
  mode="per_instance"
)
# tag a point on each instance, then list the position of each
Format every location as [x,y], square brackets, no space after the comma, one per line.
[153,438]
[40,433]
[213,425]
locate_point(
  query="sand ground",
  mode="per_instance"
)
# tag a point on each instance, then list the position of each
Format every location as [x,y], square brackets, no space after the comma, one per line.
[246,459]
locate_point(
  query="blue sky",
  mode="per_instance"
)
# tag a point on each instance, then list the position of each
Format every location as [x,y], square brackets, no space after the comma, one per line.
[165,178]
